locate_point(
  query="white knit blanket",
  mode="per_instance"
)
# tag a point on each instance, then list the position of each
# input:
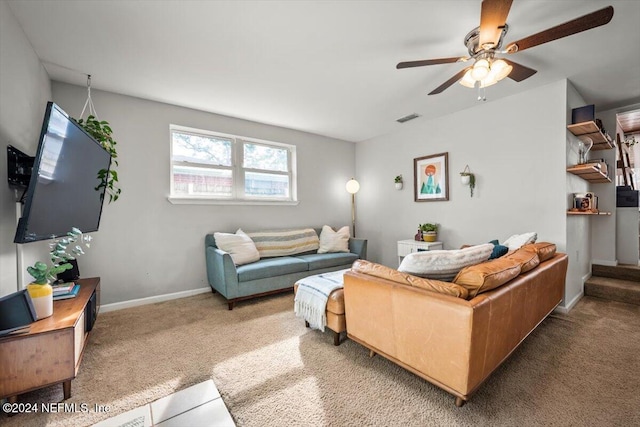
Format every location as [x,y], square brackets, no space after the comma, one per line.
[312,296]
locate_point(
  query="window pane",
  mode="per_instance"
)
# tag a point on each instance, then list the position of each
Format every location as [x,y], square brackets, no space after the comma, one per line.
[194,181]
[264,157]
[266,185]
[202,149]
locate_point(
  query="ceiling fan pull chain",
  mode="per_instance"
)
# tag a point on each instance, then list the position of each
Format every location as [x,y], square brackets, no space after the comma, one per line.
[481,92]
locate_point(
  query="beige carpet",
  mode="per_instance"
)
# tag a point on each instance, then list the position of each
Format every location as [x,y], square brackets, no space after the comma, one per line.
[580,369]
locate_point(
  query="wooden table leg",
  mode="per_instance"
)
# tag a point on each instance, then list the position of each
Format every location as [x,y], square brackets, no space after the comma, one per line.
[66,388]
[306,323]
[336,338]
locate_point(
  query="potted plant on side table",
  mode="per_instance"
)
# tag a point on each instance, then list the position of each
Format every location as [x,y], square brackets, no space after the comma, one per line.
[429,232]
[40,289]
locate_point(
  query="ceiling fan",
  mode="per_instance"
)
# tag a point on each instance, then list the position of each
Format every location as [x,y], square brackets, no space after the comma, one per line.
[485,41]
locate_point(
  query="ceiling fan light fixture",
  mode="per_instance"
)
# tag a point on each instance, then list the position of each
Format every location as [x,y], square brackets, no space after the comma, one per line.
[467,80]
[480,69]
[501,69]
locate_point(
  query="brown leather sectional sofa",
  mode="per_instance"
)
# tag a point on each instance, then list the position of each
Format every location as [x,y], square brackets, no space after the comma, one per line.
[452,342]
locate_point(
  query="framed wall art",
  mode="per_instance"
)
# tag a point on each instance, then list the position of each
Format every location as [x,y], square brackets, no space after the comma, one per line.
[431,178]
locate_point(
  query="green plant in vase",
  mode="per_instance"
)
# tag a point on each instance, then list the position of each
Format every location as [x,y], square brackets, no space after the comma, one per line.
[469,179]
[61,251]
[398,180]
[429,232]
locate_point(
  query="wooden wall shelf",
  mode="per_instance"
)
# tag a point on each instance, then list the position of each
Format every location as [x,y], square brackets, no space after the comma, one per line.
[589,213]
[590,129]
[589,172]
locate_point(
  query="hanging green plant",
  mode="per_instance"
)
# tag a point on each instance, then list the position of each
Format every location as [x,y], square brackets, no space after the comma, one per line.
[467,178]
[101,132]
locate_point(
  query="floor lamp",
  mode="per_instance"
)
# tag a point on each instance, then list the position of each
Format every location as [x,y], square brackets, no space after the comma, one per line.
[352,187]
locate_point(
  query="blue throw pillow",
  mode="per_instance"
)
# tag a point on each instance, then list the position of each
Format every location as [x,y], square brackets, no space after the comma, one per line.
[498,250]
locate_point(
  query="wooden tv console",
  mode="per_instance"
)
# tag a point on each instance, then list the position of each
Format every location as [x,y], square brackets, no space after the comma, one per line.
[50,353]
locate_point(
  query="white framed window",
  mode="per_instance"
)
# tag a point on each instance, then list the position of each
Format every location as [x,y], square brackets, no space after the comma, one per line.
[212,167]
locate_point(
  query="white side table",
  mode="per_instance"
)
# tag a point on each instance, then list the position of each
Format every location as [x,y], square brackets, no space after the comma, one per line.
[405,247]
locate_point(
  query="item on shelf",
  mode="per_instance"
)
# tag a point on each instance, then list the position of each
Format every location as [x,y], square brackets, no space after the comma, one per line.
[584,145]
[594,200]
[67,295]
[585,202]
[583,114]
[63,288]
[418,236]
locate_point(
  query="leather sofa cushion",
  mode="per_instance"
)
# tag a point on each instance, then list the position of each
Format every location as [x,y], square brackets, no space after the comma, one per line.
[383,272]
[545,250]
[526,256]
[488,275]
[335,303]
[270,267]
[326,260]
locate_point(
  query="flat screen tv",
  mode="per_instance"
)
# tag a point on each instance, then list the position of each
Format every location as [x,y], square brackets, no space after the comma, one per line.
[62,191]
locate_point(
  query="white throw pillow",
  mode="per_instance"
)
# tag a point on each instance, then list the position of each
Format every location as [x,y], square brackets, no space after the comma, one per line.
[444,264]
[239,246]
[514,242]
[334,241]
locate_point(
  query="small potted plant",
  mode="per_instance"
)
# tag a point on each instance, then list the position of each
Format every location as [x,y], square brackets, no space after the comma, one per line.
[398,181]
[467,178]
[40,289]
[429,232]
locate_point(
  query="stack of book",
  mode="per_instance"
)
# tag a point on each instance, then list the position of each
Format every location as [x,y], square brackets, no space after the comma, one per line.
[65,290]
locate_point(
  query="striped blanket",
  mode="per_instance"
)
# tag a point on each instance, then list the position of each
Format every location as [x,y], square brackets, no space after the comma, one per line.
[312,296]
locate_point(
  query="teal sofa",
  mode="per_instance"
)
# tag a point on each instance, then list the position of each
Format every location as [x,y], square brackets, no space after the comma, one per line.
[271,275]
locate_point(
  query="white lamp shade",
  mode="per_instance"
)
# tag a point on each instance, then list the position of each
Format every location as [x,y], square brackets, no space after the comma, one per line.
[480,69]
[467,80]
[499,70]
[352,186]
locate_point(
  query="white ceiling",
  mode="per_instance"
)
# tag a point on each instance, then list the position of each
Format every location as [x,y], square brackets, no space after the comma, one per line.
[326,67]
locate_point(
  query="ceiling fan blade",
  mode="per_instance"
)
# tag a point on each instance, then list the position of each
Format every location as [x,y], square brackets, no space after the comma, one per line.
[583,23]
[422,63]
[449,82]
[493,17]
[519,72]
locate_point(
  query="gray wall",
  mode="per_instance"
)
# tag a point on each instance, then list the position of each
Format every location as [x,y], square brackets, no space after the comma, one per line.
[516,146]
[147,246]
[578,226]
[24,92]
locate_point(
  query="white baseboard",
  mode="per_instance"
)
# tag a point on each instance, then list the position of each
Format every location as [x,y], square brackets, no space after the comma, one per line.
[567,308]
[604,262]
[150,300]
